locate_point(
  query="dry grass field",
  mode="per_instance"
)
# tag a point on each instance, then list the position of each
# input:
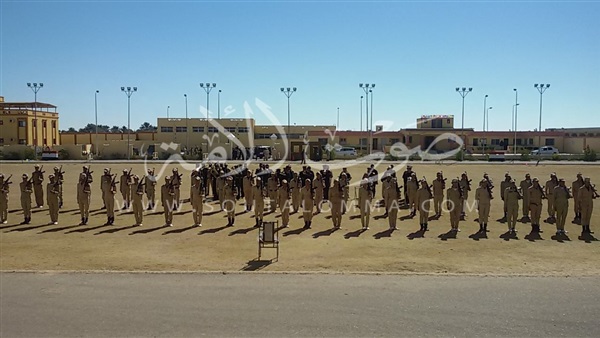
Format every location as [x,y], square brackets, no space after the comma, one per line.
[215,247]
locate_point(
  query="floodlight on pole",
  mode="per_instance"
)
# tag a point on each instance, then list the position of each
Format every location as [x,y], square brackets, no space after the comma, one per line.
[129,91]
[288,92]
[207,88]
[516,115]
[463,92]
[541,89]
[187,131]
[96,114]
[35,87]
[484,111]
[368,88]
[219,104]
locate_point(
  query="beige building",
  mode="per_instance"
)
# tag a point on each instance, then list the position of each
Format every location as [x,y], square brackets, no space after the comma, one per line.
[28,124]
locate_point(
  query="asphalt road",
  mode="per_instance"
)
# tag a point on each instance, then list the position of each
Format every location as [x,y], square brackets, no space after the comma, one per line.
[115,305]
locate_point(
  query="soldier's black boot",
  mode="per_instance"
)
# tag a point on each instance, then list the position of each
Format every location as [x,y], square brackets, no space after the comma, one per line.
[425,227]
[485,227]
[256,223]
[85,221]
[480,227]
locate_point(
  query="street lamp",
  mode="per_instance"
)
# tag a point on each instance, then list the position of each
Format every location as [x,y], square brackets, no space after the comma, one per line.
[368,89]
[35,87]
[96,114]
[337,124]
[168,107]
[288,92]
[541,88]
[516,114]
[484,111]
[463,92]
[129,91]
[361,119]
[187,131]
[487,120]
[219,104]
[207,88]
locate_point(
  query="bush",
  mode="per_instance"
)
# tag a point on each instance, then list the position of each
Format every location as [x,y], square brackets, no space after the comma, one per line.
[525,155]
[63,154]
[589,155]
[555,157]
[459,155]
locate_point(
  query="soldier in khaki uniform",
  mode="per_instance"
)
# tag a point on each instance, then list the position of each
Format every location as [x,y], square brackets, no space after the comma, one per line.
[52,198]
[150,187]
[439,184]
[308,202]
[385,182]
[259,202]
[295,186]
[105,180]
[586,195]
[167,197]
[137,193]
[318,186]
[465,187]
[247,186]
[197,200]
[345,186]
[177,188]
[220,184]
[365,197]
[578,183]
[453,203]
[392,197]
[536,195]
[59,176]
[424,196]
[109,197]
[511,202]
[503,186]
[229,200]
[524,185]
[26,189]
[83,198]
[38,191]
[411,191]
[283,200]
[549,190]
[272,191]
[483,198]
[4,191]
[125,189]
[335,202]
[561,197]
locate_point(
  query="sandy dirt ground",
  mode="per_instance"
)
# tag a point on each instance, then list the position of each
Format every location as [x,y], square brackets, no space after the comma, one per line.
[216,247]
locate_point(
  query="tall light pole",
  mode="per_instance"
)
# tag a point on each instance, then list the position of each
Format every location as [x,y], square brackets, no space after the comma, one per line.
[516,115]
[541,88]
[288,92]
[486,127]
[463,92]
[361,119]
[128,91]
[484,111]
[187,129]
[337,124]
[207,88]
[515,127]
[96,114]
[35,87]
[168,107]
[371,118]
[219,104]
[368,89]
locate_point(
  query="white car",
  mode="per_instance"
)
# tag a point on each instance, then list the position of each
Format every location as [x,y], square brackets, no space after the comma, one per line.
[547,150]
[346,152]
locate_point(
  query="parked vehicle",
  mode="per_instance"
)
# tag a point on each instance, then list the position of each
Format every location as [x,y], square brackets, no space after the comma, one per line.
[346,152]
[547,150]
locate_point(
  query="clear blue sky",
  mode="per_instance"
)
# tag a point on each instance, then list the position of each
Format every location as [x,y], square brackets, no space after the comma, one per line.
[416,53]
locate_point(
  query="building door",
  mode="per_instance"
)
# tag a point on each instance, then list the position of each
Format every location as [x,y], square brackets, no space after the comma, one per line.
[375,144]
[428,141]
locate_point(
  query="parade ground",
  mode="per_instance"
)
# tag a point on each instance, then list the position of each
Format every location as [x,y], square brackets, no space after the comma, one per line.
[69,246]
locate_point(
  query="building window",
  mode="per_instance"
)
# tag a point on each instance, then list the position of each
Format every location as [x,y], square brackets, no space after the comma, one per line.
[22,141]
[549,141]
[230,129]
[213,130]
[475,142]
[322,141]
[436,123]
[43,123]
[495,141]
[198,129]
[181,129]
[166,129]
[22,123]
[45,141]
[394,140]
[54,124]
[54,141]
[410,139]
[530,141]
[448,121]
[1,140]
[342,140]
[519,142]
[242,129]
